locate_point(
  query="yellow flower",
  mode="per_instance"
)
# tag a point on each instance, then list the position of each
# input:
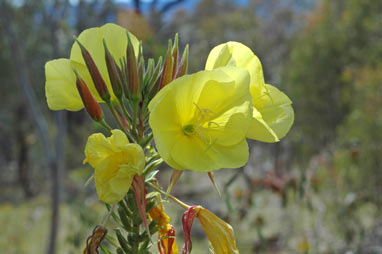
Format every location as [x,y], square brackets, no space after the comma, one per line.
[273,114]
[200,121]
[60,86]
[116,162]
[219,233]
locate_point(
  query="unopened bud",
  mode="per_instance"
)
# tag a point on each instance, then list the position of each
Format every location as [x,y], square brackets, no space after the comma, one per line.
[183,65]
[175,54]
[98,81]
[132,71]
[155,82]
[90,103]
[141,66]
[167,67]
[113,71]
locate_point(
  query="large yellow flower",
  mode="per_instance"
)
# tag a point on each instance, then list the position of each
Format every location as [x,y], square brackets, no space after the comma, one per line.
[200,121]
[273,114]
[116,162]
[60,86]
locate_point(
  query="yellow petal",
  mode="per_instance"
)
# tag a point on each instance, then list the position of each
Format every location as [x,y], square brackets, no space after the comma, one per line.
[103,176]
[97,149]
[237,54]
[135,157]
[219,233]
[118,138]
[167,126]
[219,56]
[278,113]
[116,40]
[234,156]
[230,106]
[260,130]
[192,153]
[60,86]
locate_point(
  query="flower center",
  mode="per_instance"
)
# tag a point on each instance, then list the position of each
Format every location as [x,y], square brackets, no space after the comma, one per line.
[189,129]
[201,125]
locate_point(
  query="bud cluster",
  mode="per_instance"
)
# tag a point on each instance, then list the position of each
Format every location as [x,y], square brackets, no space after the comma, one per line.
[133,83]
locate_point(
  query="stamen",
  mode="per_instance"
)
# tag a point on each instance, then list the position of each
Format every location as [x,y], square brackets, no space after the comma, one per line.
[201,125]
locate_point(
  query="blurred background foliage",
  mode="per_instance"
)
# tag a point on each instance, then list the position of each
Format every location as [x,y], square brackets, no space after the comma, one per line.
[317,191]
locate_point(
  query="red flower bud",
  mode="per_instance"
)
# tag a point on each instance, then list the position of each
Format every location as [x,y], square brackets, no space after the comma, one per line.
[112,69]
[132,71]
[98,81]
[90,103]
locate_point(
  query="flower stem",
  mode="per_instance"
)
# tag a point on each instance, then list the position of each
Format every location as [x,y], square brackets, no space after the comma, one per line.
[106,218]
[105,125]
[182,204]
[112,109]
[134,119]
[124,111]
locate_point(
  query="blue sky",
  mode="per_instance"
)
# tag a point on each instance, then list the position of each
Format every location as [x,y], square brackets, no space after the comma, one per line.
[188,4]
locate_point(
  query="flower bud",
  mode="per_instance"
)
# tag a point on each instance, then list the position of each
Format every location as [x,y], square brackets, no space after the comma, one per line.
[113,71]
[90,103]
[155,81]
[98,81]
[132,72]
[183,65]
[175,53]
[167,67]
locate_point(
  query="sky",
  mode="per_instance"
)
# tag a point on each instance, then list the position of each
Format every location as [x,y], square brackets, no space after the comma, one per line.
[187,4]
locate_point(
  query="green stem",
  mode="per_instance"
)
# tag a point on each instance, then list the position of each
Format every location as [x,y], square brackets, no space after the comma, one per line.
[106,218]
[124,110]
[134,119]
[182,204]
[120,125]
[105,125]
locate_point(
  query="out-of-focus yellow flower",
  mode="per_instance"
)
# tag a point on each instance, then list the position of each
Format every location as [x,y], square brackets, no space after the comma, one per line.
[219,233]
[200,121]
[273,114]
[167,242]
[60,85]
[116,162]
